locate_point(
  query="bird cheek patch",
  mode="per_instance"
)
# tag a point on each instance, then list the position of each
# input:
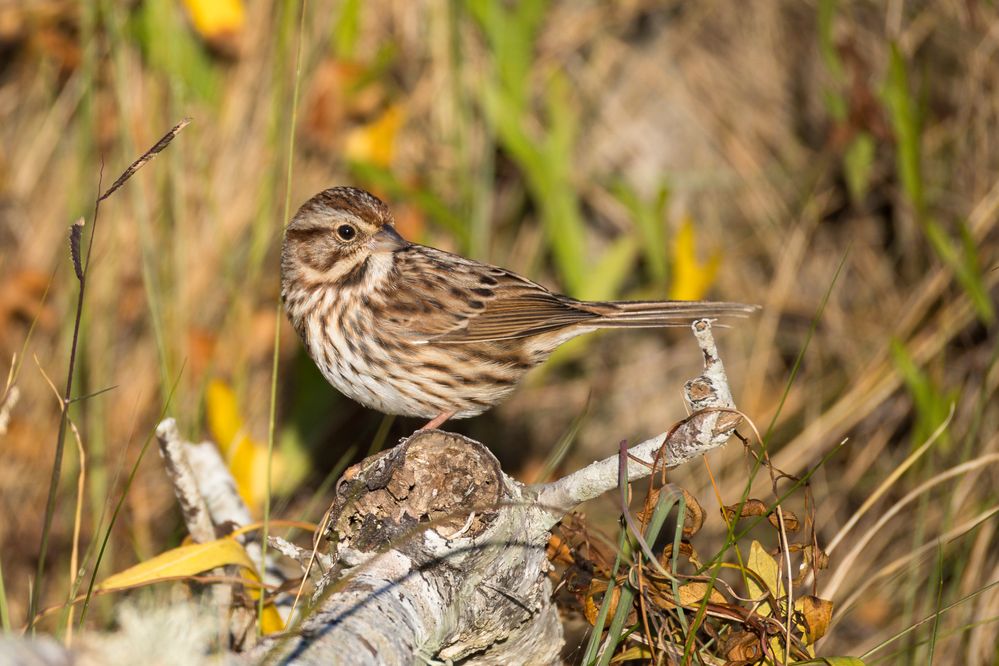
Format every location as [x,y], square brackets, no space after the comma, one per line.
[319,256]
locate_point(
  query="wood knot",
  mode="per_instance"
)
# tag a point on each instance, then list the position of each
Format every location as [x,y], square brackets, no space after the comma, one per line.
[433,477]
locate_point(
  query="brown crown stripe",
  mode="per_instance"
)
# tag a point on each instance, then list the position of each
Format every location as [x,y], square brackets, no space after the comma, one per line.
[350,200]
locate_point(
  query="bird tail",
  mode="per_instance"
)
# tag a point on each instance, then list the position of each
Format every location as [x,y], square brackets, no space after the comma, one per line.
[651,314]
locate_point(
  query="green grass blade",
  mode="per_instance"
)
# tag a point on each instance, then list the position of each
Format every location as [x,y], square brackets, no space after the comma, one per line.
[347,29]
[650,220]
[4,609]
[905,122]
[278,316]
[593,644]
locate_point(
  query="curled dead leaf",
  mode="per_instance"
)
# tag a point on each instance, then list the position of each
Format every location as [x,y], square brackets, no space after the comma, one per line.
[755,507]
[813,559]
[693,519]
[816,614]
[558,551]
[791,522]
[649,506]
[693,594]
[818,558]
[743,648]
[591,608]
[686,551]
[751,507]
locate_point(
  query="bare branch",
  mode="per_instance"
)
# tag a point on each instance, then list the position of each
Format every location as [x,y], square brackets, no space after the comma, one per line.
[706,429]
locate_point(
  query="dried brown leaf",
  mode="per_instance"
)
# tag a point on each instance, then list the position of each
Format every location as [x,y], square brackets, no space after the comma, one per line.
[693,519]
[693,593]
[752,507]
[791,522]
[591,607]
[816,614]
[686,551]
[558,551]
[742,648]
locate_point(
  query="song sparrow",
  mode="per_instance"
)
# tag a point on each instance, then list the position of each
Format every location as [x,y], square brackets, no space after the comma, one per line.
[408,329]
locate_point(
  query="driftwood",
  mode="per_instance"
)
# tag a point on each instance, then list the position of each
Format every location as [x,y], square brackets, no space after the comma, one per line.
[432,554]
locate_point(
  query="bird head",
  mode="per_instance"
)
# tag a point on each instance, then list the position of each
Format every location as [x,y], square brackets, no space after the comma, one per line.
[335,233]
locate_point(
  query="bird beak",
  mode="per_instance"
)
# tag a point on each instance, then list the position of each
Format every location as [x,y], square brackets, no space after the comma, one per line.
[387,239]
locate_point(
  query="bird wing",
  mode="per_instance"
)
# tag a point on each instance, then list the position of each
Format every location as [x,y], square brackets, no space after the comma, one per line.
[444,298]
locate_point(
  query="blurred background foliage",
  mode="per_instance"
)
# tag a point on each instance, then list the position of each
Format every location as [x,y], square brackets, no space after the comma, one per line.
[633,149]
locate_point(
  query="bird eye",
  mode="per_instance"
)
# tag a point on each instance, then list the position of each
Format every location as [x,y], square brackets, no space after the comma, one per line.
[346,232]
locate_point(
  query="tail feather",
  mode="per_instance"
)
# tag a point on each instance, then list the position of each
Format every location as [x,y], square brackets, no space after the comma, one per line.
[640,314]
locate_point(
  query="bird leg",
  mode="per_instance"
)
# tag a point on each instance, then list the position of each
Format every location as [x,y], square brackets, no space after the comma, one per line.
[438,420]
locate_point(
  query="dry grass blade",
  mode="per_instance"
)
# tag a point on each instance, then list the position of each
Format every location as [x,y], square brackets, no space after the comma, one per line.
[847,565]
[7,404]
[74,558]
[888,482]
[931,618]
[275,356]
[316,542]
[900,563]
[145,158]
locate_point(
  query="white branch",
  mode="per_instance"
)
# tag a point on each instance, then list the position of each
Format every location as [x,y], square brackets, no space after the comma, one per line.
[708,428]
[217,485]
[185,485]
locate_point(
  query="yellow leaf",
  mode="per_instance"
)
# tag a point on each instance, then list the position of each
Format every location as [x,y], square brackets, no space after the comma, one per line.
[224,420]
[248,464]
[374,143]
[765,566]
[817,613]
[636,652]
[692,594]
[179,562]
[690,278]
[246,457]
[191,560]
[215,18]
[271,622]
